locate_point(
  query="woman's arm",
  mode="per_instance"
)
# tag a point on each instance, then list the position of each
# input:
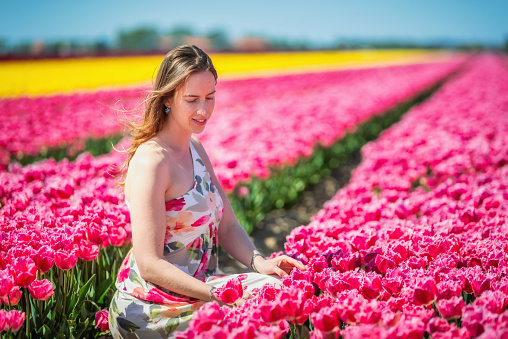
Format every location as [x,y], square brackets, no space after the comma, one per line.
[149,177]
[235,240]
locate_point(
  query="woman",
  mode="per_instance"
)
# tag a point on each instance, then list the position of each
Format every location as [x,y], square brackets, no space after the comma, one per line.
[179,212]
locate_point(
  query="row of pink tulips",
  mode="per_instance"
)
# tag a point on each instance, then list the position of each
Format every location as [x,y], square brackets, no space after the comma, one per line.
[279,120]
[416,243]
[32,124]
[54,213]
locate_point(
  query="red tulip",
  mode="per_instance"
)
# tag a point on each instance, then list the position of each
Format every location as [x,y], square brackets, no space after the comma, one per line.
[393,285]
[6,282]
[371,286]
[480,283]
[13,320]
[65,259]
[448,289]
[230,292]
[208,315]
[474,319]
[437,324]
[425,291]
[41,289]
[345,263]
[451,308]
[14,296]
[101,320]
[495,302]
[3,319]
[271,312]
[117,236]
[44,258]
[24,271]
[384,264]
[326,320]
[88,250]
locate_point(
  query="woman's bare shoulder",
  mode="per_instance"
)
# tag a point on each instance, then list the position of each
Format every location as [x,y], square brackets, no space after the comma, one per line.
[149,159]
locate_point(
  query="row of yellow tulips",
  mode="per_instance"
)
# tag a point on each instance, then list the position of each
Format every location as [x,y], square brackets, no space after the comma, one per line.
[38,77]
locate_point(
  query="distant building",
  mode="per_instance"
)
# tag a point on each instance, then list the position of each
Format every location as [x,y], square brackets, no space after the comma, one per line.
[251,44]
[165,43]
[37,47]
[202,42]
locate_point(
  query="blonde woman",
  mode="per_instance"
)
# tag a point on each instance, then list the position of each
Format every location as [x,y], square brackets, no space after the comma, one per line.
[179,212]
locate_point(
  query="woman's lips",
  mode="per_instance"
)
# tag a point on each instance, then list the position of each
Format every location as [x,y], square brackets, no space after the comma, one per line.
[200,122]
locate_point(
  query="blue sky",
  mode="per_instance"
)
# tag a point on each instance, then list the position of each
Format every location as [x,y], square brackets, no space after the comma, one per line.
[318,21]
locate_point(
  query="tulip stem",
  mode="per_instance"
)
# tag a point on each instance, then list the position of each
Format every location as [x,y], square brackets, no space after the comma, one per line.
[27,316]
[85,274]
[436,311]
[39,304]
[99,258]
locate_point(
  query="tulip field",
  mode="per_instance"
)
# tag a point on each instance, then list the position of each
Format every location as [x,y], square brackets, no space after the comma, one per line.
[416,245]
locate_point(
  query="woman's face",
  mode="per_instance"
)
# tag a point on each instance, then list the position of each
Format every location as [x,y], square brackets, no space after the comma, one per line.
[193,104]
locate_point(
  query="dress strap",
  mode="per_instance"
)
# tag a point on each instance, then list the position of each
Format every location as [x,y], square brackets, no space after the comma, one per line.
[199,165]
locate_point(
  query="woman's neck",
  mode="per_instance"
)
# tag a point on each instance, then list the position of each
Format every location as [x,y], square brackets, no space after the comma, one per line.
[178,141]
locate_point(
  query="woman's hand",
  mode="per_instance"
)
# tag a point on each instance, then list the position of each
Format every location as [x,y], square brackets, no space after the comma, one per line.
[281,265]
[242,300]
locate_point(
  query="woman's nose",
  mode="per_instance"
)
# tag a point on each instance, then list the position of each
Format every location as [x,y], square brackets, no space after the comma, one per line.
[203,110]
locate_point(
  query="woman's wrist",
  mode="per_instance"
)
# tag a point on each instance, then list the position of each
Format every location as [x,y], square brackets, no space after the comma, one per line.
[212,293]
[253,259]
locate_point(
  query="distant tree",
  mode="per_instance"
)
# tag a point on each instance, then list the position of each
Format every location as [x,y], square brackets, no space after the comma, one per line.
[138,39]
[100,46]
[506,45]
[179,33]
[3,46]
[22,48]
[219,39]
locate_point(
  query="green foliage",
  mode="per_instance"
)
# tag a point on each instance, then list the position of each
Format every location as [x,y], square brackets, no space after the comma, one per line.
[94,146]
[79,294]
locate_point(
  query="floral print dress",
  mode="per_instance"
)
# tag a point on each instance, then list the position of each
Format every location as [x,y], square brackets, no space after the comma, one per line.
[140,309]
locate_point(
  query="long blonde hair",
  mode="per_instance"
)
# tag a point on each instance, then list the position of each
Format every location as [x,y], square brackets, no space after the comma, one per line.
[175,68]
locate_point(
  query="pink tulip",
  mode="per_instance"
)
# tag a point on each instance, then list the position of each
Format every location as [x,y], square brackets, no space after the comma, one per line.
[6,282]
[451,308]
[41,289]
[384,264]
[425,291]
[44,259]
[13,297]
[101,320]
[326,320]
[437,324]
[271,313]
[371,286]
[13,320]
[23,271]
[65,259]
[230,292]
[88,250]
[495,302]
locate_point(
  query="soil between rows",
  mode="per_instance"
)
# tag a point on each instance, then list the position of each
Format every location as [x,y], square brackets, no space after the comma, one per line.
[270,234]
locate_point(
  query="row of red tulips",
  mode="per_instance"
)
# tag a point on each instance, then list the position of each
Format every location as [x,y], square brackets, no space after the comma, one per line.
[32,125]
[416,244]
